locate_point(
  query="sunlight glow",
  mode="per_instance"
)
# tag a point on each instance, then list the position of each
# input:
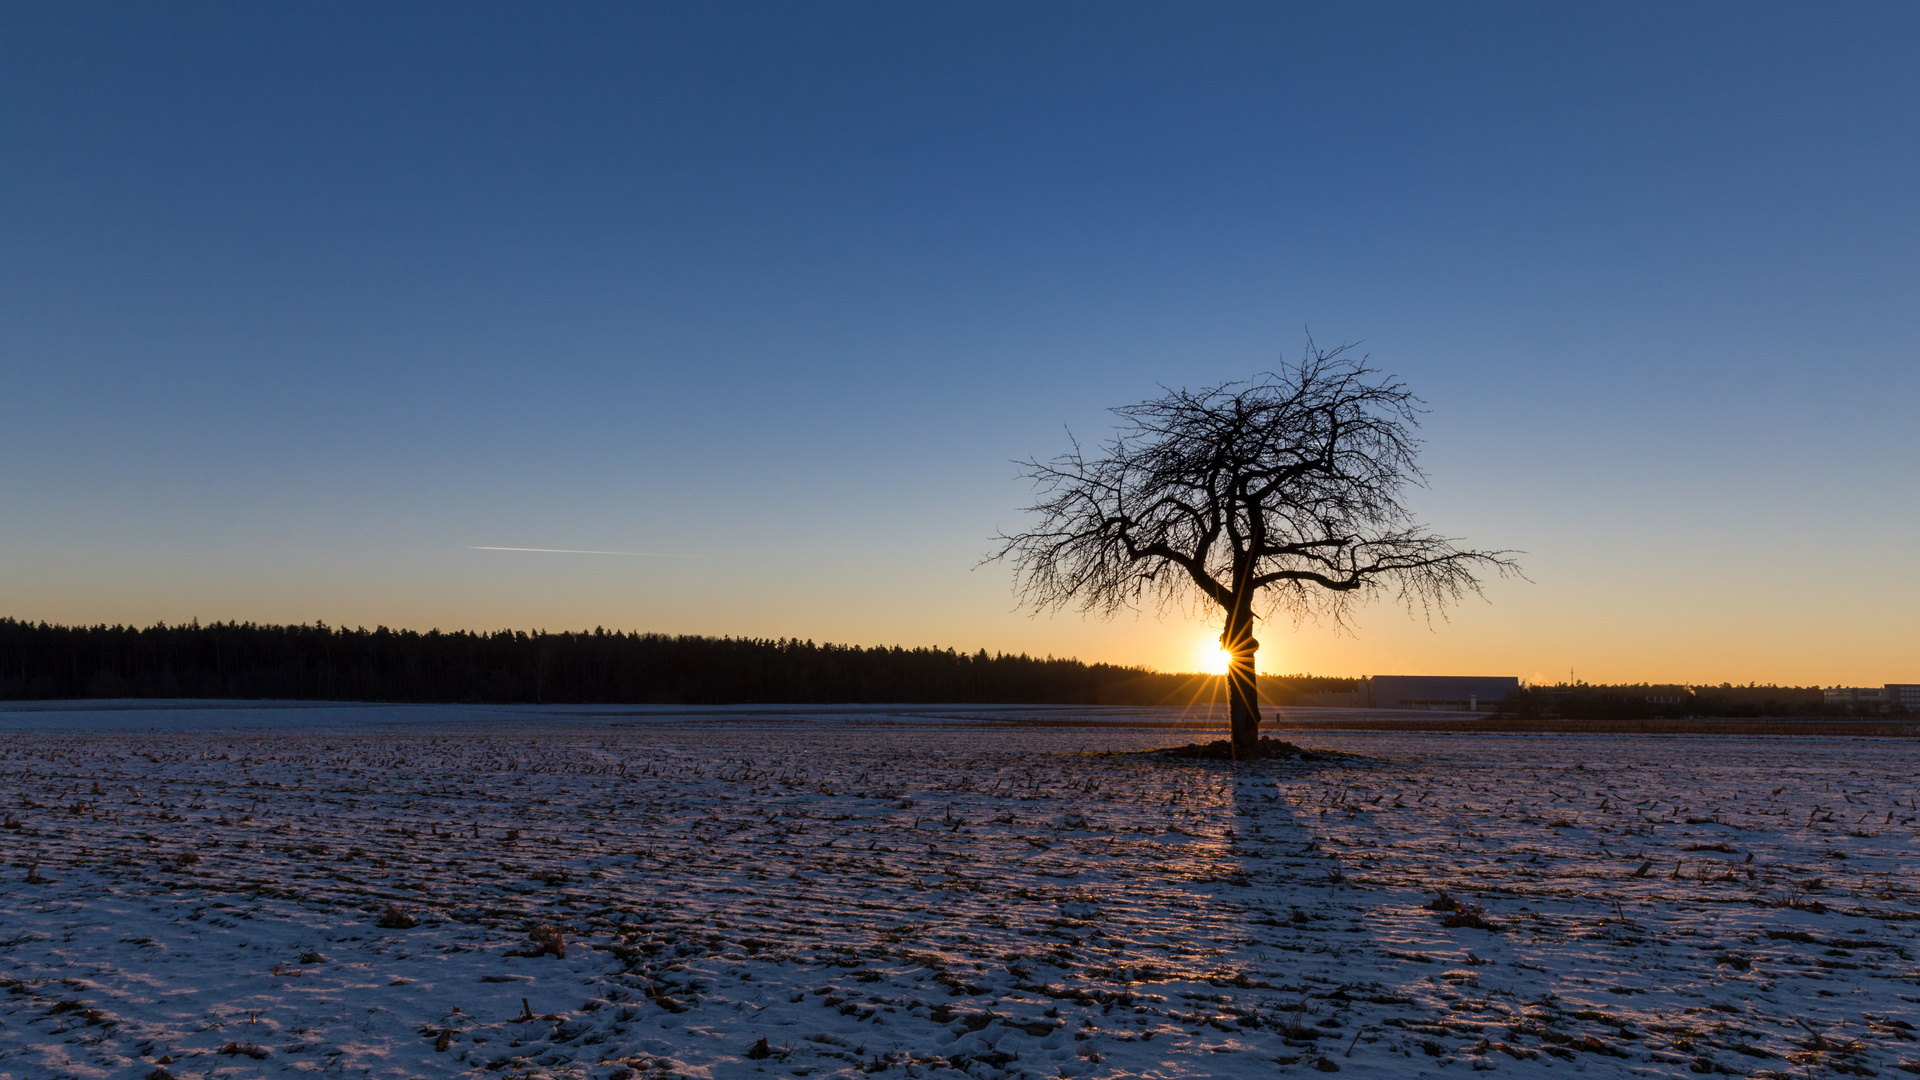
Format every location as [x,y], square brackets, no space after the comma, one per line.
[1213,659]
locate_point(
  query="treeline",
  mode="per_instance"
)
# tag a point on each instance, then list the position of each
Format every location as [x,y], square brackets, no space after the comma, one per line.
[1653,701]
[249,660]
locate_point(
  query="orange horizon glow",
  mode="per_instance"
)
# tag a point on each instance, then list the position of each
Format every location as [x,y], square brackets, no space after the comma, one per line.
[1523,630]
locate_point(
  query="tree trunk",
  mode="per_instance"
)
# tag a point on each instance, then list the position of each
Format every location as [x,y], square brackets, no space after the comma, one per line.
[1243,692]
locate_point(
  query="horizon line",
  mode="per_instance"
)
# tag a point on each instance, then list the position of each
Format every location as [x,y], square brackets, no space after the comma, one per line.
[578,551]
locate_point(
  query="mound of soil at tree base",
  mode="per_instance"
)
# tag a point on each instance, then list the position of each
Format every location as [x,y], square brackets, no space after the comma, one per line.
[1222,750]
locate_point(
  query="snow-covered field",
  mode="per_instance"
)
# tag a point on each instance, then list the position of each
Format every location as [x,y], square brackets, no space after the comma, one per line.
[596,893]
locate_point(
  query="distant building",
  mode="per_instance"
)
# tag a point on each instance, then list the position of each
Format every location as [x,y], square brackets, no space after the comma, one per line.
[1338,699]
[1892,695]
[1449,693]
[1856,695]
[1440,692]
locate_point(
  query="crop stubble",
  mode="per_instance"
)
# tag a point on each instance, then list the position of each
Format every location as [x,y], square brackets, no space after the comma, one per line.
[593,900]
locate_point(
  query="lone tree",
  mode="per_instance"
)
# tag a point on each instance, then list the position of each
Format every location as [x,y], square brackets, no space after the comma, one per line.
[1280,494]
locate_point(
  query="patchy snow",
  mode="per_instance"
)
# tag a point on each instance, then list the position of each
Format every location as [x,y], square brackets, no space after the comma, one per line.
[228,893]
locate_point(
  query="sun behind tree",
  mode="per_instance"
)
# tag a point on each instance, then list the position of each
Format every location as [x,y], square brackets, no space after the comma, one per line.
[1282,492]
[1213,660]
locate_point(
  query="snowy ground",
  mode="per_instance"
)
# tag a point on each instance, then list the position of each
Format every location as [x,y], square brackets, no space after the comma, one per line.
[738,893]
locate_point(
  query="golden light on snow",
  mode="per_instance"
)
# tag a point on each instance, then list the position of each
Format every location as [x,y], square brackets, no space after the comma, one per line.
[1190,832]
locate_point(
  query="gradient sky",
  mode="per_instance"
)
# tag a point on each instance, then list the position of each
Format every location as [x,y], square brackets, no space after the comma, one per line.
[302,303]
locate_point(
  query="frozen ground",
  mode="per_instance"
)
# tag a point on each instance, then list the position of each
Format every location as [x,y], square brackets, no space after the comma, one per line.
[221,891]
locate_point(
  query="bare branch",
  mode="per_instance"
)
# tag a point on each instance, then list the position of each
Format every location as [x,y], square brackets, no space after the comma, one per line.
[1282,493]
[1290,484]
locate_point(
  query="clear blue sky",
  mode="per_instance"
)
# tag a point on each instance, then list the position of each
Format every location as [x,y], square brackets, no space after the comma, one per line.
[300,303]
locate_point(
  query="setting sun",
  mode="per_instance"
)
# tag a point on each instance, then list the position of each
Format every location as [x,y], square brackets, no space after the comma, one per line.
[1213,659]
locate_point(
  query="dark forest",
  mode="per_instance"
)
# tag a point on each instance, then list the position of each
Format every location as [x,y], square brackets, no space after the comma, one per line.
[249,660]
[1586,701]
[319,662]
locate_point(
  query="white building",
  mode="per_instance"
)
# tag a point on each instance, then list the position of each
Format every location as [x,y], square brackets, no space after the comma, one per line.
[1892,695]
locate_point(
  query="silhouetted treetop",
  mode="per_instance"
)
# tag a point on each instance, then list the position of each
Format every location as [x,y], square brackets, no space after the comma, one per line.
[1284,493]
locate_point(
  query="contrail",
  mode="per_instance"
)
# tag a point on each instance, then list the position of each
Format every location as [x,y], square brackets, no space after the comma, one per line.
[574,551]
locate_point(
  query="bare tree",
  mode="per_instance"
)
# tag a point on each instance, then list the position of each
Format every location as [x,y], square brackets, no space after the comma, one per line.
[1282,494]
